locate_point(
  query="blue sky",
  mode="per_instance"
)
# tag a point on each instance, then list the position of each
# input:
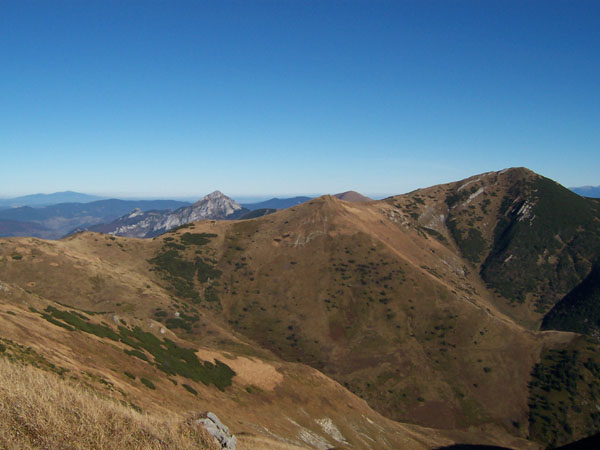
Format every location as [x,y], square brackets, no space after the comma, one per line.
[282,97]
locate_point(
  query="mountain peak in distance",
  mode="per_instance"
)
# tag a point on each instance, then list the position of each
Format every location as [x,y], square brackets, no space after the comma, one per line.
[352,196]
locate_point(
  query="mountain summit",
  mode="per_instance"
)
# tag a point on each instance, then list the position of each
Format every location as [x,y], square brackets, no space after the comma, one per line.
[215,206]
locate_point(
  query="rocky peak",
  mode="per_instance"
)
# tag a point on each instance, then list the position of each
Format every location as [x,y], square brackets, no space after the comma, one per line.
[215,206]
[215,194]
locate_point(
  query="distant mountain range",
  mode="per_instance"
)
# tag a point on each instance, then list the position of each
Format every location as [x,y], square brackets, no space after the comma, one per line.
[215,206]
[587,191]
[55,221]
[49,199]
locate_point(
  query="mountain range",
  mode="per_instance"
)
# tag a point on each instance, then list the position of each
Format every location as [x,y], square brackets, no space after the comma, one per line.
[463,313]
[587,191]
[55,221]
[48,199]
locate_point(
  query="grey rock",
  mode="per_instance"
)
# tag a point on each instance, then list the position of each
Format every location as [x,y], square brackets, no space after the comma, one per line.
[217,429]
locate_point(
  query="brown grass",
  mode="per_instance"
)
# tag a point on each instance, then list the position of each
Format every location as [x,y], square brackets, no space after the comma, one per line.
[40,410]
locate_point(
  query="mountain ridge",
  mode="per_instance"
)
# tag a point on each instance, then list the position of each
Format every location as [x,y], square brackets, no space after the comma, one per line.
[387,298]
[587,191]
[49,199]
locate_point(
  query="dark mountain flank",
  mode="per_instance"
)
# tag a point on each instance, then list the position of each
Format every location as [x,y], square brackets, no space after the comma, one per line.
[257,213]
[544,243]
[579,310]
[277,203]
[531,239]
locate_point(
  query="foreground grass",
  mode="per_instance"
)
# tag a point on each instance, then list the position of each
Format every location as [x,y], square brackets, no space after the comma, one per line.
[39,409]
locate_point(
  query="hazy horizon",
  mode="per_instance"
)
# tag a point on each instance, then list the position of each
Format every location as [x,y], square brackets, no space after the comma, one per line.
[191,198]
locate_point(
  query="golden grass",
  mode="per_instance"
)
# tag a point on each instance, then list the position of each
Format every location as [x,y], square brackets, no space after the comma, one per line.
[39,410]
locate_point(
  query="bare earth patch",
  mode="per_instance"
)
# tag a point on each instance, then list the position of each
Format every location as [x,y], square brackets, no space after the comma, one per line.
[248,371]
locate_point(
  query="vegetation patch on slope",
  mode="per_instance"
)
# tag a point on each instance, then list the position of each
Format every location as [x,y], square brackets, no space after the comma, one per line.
[564,395]
[168,356]
[183,270]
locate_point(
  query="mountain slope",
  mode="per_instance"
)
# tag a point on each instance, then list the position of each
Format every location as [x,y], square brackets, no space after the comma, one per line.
[579,310]
[112,337]
[332,286]
[531,239]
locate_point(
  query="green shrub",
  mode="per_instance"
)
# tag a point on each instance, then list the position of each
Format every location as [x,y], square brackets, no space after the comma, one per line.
[197,238]
[190,389]
[149,384]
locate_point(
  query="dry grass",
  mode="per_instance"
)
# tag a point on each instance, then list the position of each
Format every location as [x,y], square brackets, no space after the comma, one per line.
[39,410]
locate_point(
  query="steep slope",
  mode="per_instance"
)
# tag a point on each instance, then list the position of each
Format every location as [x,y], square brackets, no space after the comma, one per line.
[214,206]
[42,409]
[579,310]
[531,239]
[116,337]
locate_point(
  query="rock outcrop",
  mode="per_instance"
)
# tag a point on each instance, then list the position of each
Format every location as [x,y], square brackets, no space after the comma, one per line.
[216,429]
[140,224]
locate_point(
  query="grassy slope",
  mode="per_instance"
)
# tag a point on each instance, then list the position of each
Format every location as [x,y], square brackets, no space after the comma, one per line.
[262,404]
[43,410]
[341,288]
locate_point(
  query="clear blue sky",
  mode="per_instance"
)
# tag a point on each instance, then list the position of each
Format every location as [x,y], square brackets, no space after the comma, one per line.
[281,97]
